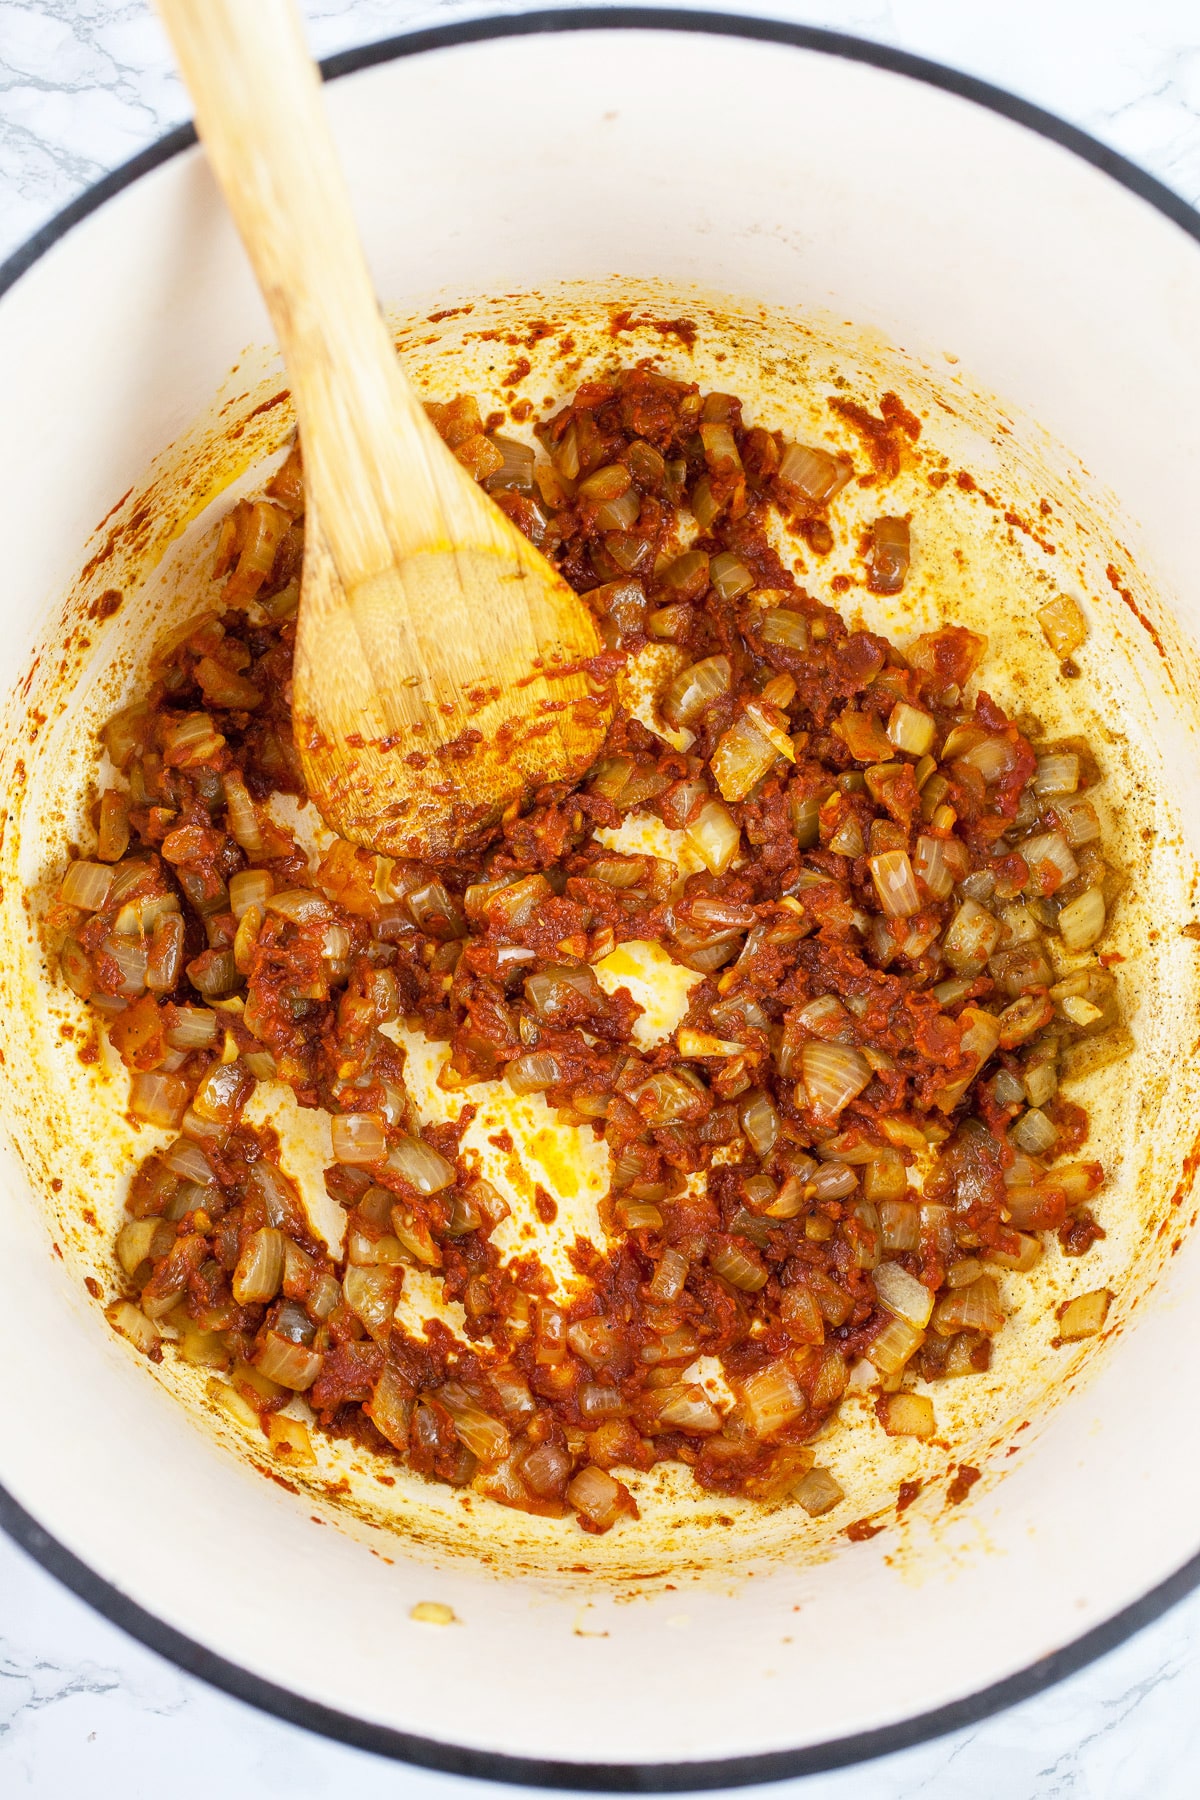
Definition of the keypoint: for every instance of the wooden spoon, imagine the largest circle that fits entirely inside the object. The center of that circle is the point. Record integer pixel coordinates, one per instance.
(438, 659)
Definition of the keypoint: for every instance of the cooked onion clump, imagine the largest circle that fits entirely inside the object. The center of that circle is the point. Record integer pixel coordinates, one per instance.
(892, 900)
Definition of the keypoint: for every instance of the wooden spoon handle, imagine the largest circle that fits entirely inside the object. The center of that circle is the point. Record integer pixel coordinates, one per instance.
(374, 465)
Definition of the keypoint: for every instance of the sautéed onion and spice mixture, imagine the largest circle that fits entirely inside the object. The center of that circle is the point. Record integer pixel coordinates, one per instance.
(891, 901)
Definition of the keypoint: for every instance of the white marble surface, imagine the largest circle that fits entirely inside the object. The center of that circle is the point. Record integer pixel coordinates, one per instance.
(84, 84)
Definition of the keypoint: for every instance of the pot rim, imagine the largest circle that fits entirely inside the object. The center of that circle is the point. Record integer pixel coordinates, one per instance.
(283, 1703)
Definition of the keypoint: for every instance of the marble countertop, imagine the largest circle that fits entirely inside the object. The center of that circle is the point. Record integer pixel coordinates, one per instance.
(84, 84)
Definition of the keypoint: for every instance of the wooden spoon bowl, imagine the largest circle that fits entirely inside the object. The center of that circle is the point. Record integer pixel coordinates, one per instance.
(441, 668)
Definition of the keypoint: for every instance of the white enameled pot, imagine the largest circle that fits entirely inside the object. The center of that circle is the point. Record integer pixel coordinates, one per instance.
(815, 209)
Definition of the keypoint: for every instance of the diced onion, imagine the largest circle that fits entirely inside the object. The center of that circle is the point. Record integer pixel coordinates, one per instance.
(485, 1437)
(832, 1181)
(669, 621)
(133, 1324)
(532, 1073)
(1064, 625)
(972, 936)
(900, 1225)
(421, 1165)
(825, 1016)
(301, 905)
(773, 1398)
(86, 885)
(195, 1027)
(741, 759)
(760, 1122)
(667, 1096)
(550, 988)
(223, 1093)
(847, 840)
(242, 815)
(252, 887)
(896, 1343)
(164, 960)
(975, 1307)
(597, 1400)
(991, 756)
(620, 514)
(608, 483)
(188, 1161)
(689, 1409)
(513, 905)
(279, 1198)
(157, 1099)
(1035, 1132)
(371, 1296)
(545, 1470)
(720, 447)
(132, 957)
(687, 576)
(1056, 774)
(1022, 1260)
(981, 1034)
(892, 874)
(1081, 1012)
(390, 1407)
(701, 1043)
(704, 503)
(1080, 822)
(1050, 862)
(516, 471)
(127, 876)
(357, 1138)
(818, 1493)
(126, 732)
(814, 475)
(669, 1279)
(903, 1294)
(738, 1268)
(908, 1415)
(767, 716)
(1018, 1022)
(291, 1365)
(597, 1496)
(135, 1242)
(213, 973)
(595, 1341)
(290, 1440)
(911, 730)
(890, 550)
(832, 1076)
(1081, 921)
(714, 836)
(1084, 1316)
(694, 688)
(259, 1271)
(729, 576)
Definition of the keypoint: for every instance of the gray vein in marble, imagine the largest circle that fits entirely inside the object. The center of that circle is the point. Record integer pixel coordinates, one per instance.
(28, 1684)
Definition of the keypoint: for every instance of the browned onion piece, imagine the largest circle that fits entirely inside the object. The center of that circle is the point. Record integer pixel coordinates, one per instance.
(259, 1271)
(531, 1073)
(832, 1075)
(357, 1137)
(291, 1365)
(421, 1165)
(693, 689)
(890, 550)
(813, 476)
